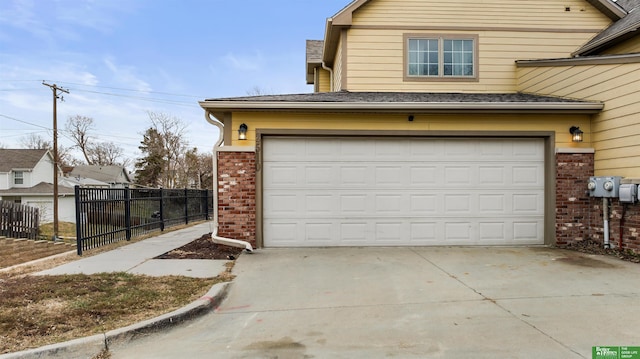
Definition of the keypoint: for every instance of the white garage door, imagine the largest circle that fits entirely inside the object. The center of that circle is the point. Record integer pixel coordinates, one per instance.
(402, 192)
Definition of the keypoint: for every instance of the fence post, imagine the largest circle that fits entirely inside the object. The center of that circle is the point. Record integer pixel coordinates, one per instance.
(161, 209)
(186, 206)
(206, 203)
(78, 220)
(127, 212)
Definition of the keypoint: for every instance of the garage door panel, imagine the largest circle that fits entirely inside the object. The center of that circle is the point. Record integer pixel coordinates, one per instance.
(527, 232)
(355, 191)
(312, 203)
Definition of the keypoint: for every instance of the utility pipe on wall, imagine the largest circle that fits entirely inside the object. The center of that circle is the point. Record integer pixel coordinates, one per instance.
(214, 233)
(605, 217)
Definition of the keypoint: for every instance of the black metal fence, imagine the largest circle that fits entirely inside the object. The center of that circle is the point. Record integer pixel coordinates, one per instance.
(18, 220)
(105, 216)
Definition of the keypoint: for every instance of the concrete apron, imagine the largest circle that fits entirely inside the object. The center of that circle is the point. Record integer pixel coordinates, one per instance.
(438, 302)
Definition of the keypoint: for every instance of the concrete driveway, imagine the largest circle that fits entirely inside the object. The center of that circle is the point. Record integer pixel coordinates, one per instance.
(412, 303)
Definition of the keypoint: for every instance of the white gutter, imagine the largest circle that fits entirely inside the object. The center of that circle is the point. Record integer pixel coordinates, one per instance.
(324, 66)
(214, 233)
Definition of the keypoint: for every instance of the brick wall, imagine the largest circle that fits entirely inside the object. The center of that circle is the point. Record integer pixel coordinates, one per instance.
(630, 224)
(237, 196)
(579, 216)
(572, 199)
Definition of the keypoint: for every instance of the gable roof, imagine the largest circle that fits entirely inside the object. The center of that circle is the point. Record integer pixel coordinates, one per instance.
(314, 57)
(417, 102)
(619, 31)
(108, 174)
(22, 159)
(616, 10)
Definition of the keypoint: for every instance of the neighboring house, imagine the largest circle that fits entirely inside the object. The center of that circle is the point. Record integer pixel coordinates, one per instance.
(441, 123)
(114, 176)
(26, 177)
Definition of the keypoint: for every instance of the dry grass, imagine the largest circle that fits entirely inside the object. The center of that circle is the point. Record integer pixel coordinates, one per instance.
(42, 310)
(66, 230)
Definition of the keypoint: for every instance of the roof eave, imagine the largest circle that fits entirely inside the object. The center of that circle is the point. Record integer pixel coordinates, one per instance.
(607, 42)
(218, 108)
(609, 8)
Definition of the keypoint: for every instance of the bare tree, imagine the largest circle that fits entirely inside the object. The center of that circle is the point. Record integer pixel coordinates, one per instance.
(259, 91)
(94, 153)
(78, 128)
(37, 142)
(107, 154)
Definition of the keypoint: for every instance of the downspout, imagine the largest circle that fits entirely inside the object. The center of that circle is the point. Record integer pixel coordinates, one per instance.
(324, 66)
(214, 233)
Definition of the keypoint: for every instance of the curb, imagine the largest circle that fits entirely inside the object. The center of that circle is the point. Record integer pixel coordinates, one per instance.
(91, 346)
(36, 261)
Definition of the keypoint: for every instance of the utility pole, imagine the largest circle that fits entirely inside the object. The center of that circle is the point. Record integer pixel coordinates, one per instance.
(55, 90)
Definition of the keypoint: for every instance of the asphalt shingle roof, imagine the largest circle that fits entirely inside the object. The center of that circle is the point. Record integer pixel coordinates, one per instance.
(41, 188)
(19, 158)
(108, 174)
(391, 97)
(619, 30)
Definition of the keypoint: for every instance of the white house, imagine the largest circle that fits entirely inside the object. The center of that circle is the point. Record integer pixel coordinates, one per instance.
(26, 177)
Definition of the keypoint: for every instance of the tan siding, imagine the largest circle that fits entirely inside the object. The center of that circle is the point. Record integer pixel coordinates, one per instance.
(616, 130)
(324, 78)
(376, 61)
(628, 47)
(398, 122)
(337, 68)
(532, 13)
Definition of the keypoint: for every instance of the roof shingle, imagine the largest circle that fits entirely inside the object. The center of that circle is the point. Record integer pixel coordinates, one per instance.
(19, 159)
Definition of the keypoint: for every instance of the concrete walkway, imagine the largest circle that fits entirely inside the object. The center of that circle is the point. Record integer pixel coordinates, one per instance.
(138, 257)
(412, 303)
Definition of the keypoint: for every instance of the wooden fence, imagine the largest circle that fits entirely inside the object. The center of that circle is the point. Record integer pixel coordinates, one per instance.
(18, 221)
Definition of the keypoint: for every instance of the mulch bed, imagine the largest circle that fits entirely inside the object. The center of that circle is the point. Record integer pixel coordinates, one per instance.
(590, 246)
(202, 248)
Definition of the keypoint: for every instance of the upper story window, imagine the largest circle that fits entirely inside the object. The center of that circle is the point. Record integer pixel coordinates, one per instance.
(18, 177)
(441, 58)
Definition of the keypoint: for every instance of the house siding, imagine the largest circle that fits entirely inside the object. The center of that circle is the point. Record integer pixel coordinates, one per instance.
(376, 58)
(495, 13)
(338, 68)
(628, 47)
(522, 30)
(614, 132)
(424, 122)
(42, 172)
(324, 80)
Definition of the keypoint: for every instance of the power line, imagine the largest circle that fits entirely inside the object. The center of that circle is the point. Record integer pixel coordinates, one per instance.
(25, 122)
(132, 90)
(148, 99)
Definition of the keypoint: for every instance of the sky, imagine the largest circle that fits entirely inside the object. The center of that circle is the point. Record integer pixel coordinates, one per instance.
(121, 59)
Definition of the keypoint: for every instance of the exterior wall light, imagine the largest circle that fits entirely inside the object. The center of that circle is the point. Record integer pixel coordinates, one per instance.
(576, 134)
(242, 132)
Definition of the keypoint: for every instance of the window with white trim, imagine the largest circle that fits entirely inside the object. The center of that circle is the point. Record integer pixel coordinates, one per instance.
(440, 57)
(18, 177)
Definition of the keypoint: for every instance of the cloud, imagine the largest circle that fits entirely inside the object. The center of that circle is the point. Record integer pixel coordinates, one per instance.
(100, 15)
(126, 76)
(244, 62)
